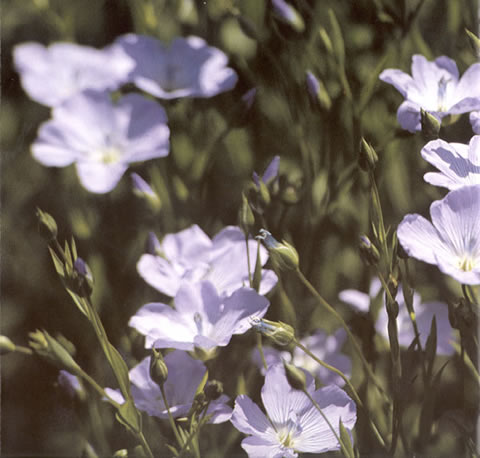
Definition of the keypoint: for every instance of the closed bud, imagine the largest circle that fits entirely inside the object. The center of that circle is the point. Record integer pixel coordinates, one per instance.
(158, 368)
(144, 191)
(47, 226)
(281, 333)
(392, 309)
(295, 376)
(392, 285)
(246, 219)
(288, 14)
(45, 346)
(368, 251)
(317, 92)
(284, 255)
(82, 278)
(430, 125)
(6, 345)
(213, 390)
(367, 157)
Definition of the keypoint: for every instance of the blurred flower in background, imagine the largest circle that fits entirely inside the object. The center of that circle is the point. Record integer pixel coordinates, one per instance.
(187, 67)
(102, 137)
(458, 164)
(292, 423)
(436, 87)
(50, 75)
(424, 313)
(184, 376)
(191, 255)
(323, 346)
(201, 317)
(452, 240)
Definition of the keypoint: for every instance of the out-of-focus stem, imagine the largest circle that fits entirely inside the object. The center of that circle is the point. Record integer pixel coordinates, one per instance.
(170, 417)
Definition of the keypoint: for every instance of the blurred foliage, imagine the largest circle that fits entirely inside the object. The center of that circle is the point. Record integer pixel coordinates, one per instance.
(346, 44)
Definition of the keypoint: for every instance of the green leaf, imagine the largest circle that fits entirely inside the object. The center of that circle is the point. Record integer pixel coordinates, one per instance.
(78, 302)
(119, 368)
(257, 274)
(128, 415)
(431, 347)
(57, 262)
(346, 442)
(202, 384)
(337, 41)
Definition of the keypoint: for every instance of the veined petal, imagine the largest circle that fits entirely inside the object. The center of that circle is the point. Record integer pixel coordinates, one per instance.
(249, 419)
(398, 79)
(419, 238)
(100, 178)
(260, 447)
(159, 274)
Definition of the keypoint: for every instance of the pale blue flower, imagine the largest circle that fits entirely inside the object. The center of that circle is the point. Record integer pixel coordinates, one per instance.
(50, 75)
(191, 255)
(200, 317)
(436, 87)
(184, 377)
(475, 121)
(187, 67)
(101, 137)
(458, 164)
(452, 240)
(292, 423)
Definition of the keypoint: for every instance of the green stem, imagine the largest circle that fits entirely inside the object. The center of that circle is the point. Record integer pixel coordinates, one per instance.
(25, 350)
(143, 442)
(352, 338)
(248, 262)
(260, 350)
(170, 417)
(353, 392)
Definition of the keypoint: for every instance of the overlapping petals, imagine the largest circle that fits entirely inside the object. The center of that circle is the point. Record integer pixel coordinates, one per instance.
(452, 240)
(188, 67)
(184, 377)
(101, 137)
(191, 255)
(50, 75)
(201, 318)
(292, 423)
(458, 164)
(435, 87)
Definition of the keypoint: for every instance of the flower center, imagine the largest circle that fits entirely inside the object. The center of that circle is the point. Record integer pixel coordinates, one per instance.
(442, 93)
(466, 263)
(106, 155)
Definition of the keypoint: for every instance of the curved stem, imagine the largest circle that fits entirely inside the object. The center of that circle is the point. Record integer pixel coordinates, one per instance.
(352, 338)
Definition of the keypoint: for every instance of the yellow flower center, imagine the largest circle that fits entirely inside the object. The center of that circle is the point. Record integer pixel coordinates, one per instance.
(466, 263)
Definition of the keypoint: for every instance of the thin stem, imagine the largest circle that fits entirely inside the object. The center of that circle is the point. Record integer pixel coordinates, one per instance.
(248, 262)
(353, 392)
(170, 417)
(260, 350)
(143, 442)
(352, 338)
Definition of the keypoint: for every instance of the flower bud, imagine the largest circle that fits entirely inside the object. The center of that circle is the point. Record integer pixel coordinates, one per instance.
(6, 345)
(317, 92)
(392, 309)
(295, 376)
(283, 255)
(392, 285)
(367, 157)
(82, 279)
(368, 251)
(153, 245)
(213, 390)
(430, 125)
(47, 226)
(288, 14)
(158, 368)
(144, 191)
(281, 333)
(45, 346)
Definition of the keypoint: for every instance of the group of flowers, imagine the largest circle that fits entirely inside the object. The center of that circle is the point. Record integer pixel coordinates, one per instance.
(452, 240)
(98, 126)
(102, 129)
